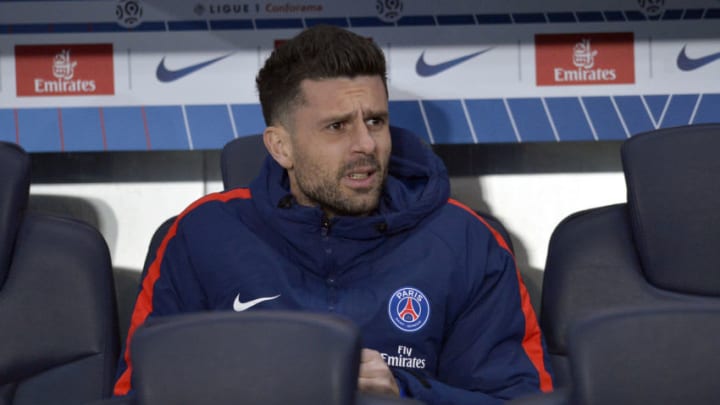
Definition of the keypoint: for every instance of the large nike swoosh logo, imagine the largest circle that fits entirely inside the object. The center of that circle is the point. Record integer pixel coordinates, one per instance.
(166, 75)
(426, 70)
(687, 64)
(239, 306)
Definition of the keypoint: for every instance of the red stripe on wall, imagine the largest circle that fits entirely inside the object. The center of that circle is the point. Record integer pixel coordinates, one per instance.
(532, 341)
(144, 303)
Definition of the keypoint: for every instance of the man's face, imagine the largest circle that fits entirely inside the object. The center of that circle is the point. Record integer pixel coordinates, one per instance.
(339, 144)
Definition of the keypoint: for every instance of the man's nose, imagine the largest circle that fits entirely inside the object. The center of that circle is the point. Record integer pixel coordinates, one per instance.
(363, 140)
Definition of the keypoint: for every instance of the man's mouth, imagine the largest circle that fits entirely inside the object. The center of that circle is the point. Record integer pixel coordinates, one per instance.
(359, 176)
(362, 169)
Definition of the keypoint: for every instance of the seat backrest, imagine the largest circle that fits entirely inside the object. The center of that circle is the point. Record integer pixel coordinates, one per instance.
(673, 184)
(59, 335)
(256, 357)
(14, 194)
(659, 248)
(241, 160)
(664, 355)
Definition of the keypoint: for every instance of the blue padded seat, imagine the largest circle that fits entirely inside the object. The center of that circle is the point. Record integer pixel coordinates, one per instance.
(662, 355)
(58, 320)
(661, 247)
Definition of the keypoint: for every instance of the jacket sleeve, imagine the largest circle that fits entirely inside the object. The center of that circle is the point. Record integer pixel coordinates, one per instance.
(493, 349)
(166, 275)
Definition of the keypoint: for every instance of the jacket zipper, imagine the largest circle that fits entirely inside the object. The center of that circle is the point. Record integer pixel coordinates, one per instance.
(330, 278)
(325, 226)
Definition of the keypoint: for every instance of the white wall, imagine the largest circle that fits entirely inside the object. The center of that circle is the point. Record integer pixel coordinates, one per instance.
(129, 213)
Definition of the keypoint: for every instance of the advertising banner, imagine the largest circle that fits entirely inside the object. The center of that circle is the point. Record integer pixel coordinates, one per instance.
(180, 74)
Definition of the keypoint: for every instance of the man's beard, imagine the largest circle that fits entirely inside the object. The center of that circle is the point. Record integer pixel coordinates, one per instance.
(327, 192)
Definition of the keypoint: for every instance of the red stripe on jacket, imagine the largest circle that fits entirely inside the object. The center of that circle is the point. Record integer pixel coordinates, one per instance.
(144, 303)
(532, 341)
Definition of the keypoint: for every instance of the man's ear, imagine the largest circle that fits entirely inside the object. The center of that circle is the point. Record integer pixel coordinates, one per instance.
(277, 142)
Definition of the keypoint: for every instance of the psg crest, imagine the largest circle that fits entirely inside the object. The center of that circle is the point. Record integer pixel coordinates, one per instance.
(409, 309)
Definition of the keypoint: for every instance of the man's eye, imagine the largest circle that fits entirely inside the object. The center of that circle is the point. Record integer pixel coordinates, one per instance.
(336, 126)
(375, 122)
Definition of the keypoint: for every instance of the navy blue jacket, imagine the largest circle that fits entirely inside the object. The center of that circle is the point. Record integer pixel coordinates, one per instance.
(433, 288)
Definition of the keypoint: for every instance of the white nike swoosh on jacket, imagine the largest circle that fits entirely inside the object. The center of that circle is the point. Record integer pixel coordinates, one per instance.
(239, 306)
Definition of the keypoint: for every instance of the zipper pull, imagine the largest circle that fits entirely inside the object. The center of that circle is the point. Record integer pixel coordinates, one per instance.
(325, 226)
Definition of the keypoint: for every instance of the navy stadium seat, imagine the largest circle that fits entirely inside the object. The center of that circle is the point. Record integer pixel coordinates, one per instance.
(662, 355)
(241, 160)
(255, 357)
(660, 247)
(58, 320)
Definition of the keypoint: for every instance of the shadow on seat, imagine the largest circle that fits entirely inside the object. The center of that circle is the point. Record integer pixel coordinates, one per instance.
(58, 318)
(660, 248)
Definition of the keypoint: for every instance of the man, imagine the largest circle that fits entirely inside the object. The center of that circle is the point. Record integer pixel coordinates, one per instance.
(347, 218)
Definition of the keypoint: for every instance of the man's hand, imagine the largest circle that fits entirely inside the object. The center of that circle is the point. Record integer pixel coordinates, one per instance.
(375, 375)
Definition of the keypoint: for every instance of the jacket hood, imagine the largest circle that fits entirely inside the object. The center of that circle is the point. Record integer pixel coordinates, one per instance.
(416, 186)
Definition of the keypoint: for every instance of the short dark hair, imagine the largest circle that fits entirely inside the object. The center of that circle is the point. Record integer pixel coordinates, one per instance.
(320, 52)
